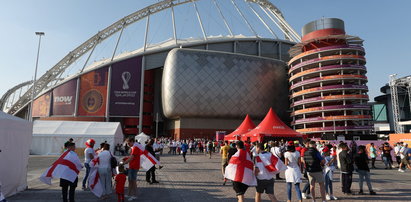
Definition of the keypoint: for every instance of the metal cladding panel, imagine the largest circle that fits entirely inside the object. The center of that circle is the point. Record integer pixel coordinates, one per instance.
(209, 84)
(323, 23)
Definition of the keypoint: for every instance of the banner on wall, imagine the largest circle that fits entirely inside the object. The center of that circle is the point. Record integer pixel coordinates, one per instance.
(125, 88)
(64, 98)
(93, 93)
(41, 106)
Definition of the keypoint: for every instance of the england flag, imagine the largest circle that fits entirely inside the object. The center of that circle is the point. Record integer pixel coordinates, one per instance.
(66, 167)
(147, 160)
(270, 162)
(240, 169)
(94, 181)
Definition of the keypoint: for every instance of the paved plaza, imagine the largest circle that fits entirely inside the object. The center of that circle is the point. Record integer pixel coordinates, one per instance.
(200, 180)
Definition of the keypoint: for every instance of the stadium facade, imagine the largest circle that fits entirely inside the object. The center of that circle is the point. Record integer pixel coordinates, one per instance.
(193, 86)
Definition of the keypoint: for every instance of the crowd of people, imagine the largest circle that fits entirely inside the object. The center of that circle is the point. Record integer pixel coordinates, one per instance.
(314, 161)
(261, 163)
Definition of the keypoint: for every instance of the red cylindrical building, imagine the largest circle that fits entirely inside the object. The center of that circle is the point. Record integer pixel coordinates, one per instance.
(328, 89)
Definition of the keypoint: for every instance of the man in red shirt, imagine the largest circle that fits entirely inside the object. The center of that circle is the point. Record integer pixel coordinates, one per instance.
(134, 166)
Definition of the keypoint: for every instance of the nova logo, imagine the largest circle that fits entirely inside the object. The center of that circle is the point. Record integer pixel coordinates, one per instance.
(64, 99)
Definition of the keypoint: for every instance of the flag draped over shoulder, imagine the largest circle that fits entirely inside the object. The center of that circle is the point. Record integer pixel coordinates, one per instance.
(147, 160)
(270, 162)
(94, 181)
(240, 169)
(66, 167)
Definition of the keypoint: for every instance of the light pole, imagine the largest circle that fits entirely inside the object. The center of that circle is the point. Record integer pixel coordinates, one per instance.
(35, 76)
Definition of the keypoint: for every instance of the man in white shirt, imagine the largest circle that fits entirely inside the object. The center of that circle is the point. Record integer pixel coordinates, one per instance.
(265, 179)
(397, 149)
(404, 158)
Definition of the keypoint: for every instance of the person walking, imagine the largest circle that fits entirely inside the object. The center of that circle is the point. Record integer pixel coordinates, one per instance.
(306, 190)
(184, 149)
(397, 154)
(240, 171)
(210, 148)
(329, 168)
(151, 174)
(404, 158)
(134, 165)
(276, 151)
(361, 161)
(224, 159)
(104, 170)
(313, 162)
(373, 155)
(88, 156)
(265, 176)
(293, 172)
(346, 169)
(386, 155)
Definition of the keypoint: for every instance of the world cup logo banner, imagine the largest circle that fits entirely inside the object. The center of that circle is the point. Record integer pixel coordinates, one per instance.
(93, 93)
(125, 88)
(126, 76)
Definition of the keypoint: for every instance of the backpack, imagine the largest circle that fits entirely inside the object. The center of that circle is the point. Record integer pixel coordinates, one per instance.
(113, 161)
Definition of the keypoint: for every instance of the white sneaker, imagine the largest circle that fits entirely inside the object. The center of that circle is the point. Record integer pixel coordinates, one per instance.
(327, 197)
(401, 170)
(303, 195)
(333, 197)
(132, 198)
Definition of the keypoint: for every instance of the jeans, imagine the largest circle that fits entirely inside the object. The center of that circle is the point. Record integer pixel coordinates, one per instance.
(87, 173)
(346, 181)
(328, 183)
(364, 174)
(297, 189)
(105, 177)
(387, 161)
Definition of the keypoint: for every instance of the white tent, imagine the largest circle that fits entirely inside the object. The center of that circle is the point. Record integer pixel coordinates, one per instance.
(142, 138)
(15, 140)
(49, 136)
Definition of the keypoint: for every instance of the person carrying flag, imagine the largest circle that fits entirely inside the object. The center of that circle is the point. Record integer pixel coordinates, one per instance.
(266, 166)
(240, 171)
(67, 168)
(134, 165)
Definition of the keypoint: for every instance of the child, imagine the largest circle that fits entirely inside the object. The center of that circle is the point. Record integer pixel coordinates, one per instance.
(329, 168)
(120, 180)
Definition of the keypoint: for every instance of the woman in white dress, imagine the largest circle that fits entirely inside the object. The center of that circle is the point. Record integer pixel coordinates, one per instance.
(104, 170)
(293, 172)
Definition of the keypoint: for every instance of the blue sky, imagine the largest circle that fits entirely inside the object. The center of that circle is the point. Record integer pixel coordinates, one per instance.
(384, 25)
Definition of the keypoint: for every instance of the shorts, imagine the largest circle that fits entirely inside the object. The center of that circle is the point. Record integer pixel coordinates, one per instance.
(239, 188)
(314, 177)
(265, 185)
(224, 162)
(405, 161)
(132, 174)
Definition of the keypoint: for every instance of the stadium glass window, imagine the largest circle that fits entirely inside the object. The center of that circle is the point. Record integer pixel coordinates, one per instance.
(379, 112)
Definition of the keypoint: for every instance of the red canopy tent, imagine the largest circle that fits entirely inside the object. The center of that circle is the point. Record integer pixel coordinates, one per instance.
(246, 126)
(271, 126)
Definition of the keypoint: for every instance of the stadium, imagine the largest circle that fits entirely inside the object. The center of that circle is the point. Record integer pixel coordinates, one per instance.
(184, 68)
